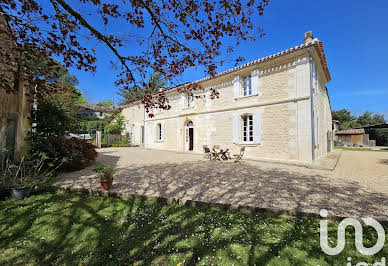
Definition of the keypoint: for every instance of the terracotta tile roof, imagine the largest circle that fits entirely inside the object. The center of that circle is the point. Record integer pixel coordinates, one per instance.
(318, 45)
(354, 131)
(315, 43)
(97, 108)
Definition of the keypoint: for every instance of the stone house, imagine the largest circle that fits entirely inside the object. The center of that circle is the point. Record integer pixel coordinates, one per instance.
(14, 107)
(277, 107)
(94, 112)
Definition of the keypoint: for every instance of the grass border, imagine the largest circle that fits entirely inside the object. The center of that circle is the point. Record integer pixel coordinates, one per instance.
(246, 209)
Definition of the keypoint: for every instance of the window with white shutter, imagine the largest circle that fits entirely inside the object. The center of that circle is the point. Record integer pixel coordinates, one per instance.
(162, 132)
(159, 132)
(183, 100)
(257, 128)
(236, 128)
(190, 100)
(255, 82)
(236, 87)
(247, 128)
(247, 86)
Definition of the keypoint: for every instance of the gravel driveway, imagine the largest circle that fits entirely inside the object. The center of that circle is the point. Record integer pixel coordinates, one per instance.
(358, 187)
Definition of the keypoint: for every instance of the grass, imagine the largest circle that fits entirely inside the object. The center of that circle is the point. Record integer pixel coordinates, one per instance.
(69, 229)
(359, 149)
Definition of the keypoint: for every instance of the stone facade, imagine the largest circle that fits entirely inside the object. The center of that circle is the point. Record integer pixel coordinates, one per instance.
(284, 87)
(14, 108)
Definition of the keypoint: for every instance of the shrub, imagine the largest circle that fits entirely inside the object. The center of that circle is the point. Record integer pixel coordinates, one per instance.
(76, 153)
(114, 129)
(79, 152)
(338, 143)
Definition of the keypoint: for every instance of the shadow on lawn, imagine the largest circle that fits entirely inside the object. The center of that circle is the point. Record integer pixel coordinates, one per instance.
(71, 229)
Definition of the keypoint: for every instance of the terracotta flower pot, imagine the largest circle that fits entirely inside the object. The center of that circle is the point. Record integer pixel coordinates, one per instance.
(106, 184)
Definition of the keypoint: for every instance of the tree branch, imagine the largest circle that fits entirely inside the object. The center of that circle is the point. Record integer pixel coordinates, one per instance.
(95, 32)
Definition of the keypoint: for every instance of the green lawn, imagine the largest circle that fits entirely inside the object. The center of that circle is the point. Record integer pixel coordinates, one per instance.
(359, 149)
(72, 230)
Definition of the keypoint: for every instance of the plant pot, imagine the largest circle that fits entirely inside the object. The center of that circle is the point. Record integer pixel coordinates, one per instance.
(106, 184)
(20, 192)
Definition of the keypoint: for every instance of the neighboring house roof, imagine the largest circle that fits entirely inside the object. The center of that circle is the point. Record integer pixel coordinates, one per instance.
(354, 131)
(97, 108)
(382, 125)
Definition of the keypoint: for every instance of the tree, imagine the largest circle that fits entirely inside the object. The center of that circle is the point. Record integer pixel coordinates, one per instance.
(171, 35)
(56, 115)
(342, 115)
(156, 82)
(347, 120)
(105, 103)
(115, 128)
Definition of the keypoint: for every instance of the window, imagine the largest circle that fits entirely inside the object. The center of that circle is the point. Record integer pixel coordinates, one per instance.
(190, 100)
(100, 113)
(133, 113)
(247, 86)
(159, 131)
(247, 128)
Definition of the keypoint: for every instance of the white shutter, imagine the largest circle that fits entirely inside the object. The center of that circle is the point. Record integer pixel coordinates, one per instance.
(193, 98)
(183, 100)
(236, 87)
(155, 132)
(236, 128)
(162, 128)
(257, 128)
(255, 81)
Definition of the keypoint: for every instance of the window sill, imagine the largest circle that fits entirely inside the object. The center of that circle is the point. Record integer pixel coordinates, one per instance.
(187, 108)
(159, 141)
(248, 144)
(247, 96)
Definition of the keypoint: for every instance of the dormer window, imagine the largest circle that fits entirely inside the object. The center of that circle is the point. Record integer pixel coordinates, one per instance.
(247, 86)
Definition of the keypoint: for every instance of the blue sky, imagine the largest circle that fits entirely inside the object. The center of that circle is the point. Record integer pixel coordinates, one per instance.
(355, 38)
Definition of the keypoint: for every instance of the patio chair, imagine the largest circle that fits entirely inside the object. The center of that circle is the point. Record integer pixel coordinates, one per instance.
(207, 152)
(225, 155)
(215, 154)
(238, 157)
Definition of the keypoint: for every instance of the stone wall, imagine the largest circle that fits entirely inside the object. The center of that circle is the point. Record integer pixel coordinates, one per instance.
(13, 104)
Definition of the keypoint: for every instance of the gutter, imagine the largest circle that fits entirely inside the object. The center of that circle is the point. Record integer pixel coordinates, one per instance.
(312, 107)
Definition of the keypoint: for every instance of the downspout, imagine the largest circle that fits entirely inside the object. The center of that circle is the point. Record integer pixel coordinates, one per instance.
(312, 107)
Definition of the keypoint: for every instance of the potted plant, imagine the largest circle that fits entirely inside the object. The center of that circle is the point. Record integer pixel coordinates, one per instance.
(19, 178)
(106, 174)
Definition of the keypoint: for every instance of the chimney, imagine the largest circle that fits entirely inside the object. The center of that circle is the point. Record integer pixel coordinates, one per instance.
(308, 37)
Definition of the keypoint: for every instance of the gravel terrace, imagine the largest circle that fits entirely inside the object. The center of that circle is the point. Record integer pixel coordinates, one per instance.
(358, 187)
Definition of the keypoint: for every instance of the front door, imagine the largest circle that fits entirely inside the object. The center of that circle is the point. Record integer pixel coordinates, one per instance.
(189, 136)
(191, 139)
(142, 134)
